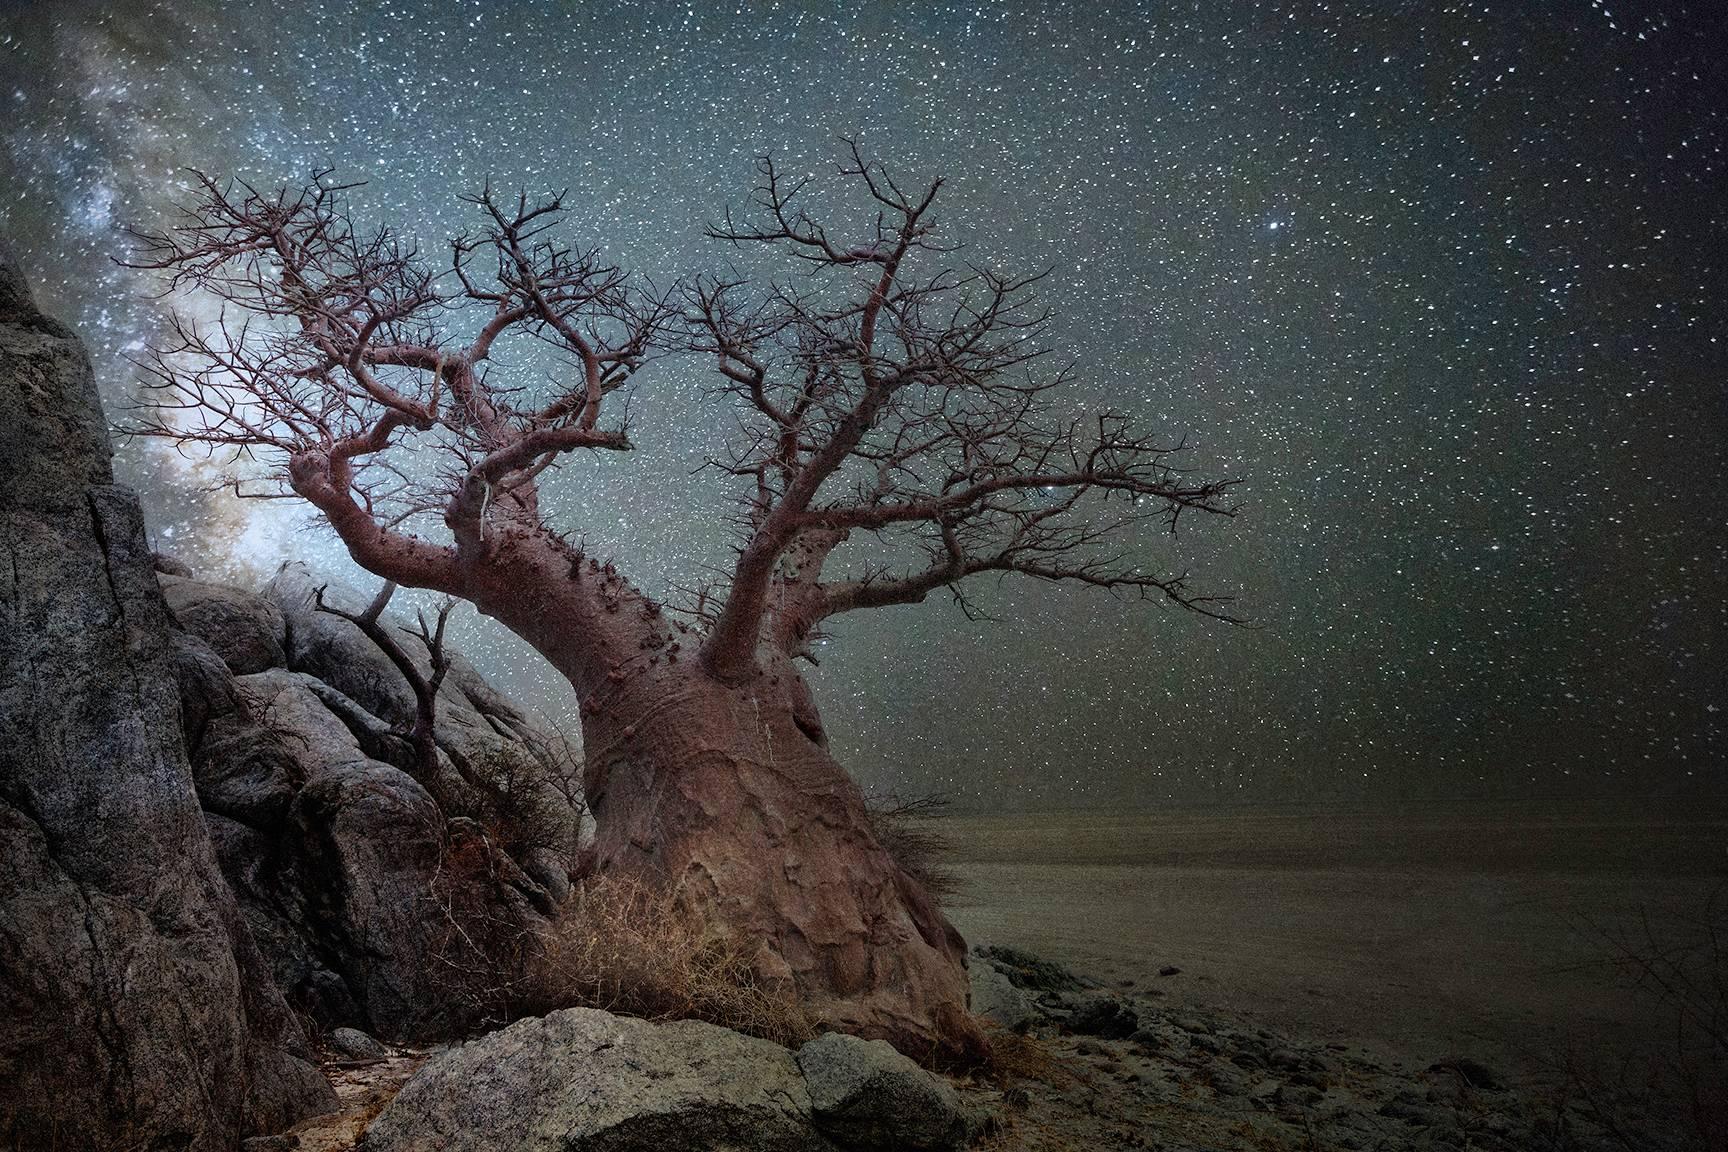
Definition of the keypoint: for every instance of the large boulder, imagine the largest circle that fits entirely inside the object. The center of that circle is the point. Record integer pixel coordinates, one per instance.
(581, 1079)
(243, 628)
(865, 1095)
(422, 918)
(138, 1012)
(387, 895)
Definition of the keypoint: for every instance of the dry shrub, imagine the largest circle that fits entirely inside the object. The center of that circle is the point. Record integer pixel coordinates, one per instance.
(482, 962)
(1015, 1056)
(907, 830)
(622, 947)
(522, 802)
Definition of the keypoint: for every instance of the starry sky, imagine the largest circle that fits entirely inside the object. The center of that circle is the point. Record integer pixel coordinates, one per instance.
(1441, 284)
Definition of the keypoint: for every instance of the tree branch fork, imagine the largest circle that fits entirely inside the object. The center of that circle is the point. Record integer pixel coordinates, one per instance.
(890, 396)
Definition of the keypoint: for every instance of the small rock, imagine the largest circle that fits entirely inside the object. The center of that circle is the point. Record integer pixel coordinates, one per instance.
(1203, 1042)
(1413, 1114)
(1169, 970)
(1227, 1081)
(1104, 1016)
(865, 1095)
(353, 1044)
(1192, 1024)
(1291, 1095)
(285, 1142)
(1473, 1073)
(996, 999)
(1498, 1123)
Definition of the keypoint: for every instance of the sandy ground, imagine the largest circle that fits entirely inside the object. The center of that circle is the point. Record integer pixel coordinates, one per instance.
(1443, 929)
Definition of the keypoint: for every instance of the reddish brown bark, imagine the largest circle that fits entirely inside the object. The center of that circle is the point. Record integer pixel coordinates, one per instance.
(726, 796)
(720, 792)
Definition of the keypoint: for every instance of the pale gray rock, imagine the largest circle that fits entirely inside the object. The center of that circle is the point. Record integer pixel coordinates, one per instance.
(994, 998)
(581, 1079)
(287, 704)
(138, 1012)
(480, 734)
(334, 650)
(353, 1044)
(865, 1095)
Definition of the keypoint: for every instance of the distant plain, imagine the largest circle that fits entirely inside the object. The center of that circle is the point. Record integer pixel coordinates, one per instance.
(1421, 930)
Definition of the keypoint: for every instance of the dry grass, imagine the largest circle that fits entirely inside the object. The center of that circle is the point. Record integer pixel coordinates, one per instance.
(619, 946)
(1015, 1057)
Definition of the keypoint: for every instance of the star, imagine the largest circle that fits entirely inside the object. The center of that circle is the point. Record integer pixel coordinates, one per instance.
(1400, 392)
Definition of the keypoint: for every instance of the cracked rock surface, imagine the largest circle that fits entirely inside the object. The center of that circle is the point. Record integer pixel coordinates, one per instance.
(139, 1012)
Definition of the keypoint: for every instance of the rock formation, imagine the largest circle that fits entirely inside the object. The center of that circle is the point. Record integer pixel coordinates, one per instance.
(386, 895)
(583, 1079)
(138, 1011)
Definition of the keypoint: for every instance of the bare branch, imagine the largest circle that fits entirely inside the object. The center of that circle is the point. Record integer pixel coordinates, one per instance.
(337, 355)
(884, 398)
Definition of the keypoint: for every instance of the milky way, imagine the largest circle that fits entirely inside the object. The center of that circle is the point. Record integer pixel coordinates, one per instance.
(1442, 285)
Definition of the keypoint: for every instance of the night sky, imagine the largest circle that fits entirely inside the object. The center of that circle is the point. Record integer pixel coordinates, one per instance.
(1442, 285)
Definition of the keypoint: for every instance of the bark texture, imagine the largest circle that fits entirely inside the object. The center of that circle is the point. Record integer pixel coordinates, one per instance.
(726, 795)
(138, 1011)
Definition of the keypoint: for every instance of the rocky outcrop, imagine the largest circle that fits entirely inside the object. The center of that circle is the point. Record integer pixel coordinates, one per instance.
(390, 895)
(581, 1079)
(138, 1012)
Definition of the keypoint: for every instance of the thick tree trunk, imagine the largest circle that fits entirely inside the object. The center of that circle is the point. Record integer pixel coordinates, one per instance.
(727, 798)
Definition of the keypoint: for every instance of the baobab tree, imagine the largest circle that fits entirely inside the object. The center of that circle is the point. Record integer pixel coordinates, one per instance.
(899, 435)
